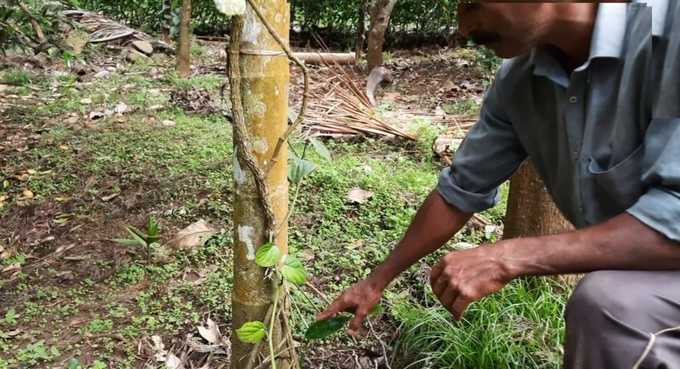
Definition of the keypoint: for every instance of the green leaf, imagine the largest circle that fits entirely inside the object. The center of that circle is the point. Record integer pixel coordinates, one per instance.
(137, 235)
(251, 332)
(324, 328)
(299, 168)
(293, 271)
(321, 149)
(152, 230)
(73, 364)
(267, 255)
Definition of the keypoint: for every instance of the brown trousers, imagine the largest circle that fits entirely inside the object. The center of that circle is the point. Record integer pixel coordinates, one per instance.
(624, 320)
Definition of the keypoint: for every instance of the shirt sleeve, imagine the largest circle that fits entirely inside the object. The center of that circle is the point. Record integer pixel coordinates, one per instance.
(659, 207)
(488, 156)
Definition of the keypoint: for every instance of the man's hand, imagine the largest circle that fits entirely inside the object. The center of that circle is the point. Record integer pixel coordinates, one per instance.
(359, 299)
(463, 277)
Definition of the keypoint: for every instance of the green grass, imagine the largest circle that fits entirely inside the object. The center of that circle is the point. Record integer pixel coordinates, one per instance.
(15, 77)
(520, 327)
(183, 173)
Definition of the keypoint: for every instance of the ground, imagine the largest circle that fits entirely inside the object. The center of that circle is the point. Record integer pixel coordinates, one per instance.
(86, 152)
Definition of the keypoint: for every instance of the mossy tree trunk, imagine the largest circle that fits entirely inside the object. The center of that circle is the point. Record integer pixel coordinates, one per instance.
(264, 76)
(184, 41)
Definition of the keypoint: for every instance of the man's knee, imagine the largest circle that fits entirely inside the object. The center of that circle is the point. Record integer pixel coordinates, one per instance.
(600, 295)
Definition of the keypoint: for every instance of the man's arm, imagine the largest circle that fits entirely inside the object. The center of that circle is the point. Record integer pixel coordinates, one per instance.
(622, 243)
(435, 223)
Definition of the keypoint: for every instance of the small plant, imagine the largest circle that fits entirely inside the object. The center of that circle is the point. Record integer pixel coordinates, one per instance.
(15, 77)
(147, 240)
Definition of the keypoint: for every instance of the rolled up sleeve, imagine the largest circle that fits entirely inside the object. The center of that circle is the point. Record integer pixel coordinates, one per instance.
(659, 206)
(488, 156)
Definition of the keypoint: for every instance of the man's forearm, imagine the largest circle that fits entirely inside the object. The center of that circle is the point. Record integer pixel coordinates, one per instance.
(622, 243)
(434, 224)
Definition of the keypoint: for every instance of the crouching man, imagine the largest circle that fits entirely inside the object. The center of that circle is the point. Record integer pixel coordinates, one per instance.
(591, 94)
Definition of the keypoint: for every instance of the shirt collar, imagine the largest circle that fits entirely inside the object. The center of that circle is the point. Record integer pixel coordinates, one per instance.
(609, 34)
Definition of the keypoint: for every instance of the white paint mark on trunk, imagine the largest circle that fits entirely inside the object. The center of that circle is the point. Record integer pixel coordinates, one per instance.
(260, 146)
(239, 175)
(252, 27)
(245, 235)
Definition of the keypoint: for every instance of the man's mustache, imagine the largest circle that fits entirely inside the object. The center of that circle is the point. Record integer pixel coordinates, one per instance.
(484, 38)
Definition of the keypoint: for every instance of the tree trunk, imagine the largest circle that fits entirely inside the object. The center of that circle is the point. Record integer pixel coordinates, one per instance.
(380, 20)
(361, 29)
(184, 42)
(166, 22)
(264, 81)
(531, 211)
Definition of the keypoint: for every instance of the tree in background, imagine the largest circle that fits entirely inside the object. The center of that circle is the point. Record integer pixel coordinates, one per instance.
(184, 41)
(531, 211)
(166, 24)
(381, 12)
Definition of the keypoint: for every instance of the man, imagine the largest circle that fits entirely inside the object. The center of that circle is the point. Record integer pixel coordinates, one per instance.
(592, 96)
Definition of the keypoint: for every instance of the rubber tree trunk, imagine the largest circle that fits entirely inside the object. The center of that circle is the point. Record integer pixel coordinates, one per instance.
(380, 20)
(166, 22)
(532, 212)
(184, 42)
(264, 84)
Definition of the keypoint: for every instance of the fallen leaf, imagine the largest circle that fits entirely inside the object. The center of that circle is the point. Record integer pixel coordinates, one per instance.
(27, 194)
(86, 101)
(94, 115)
(173, 362)
(12, 268)
(358, 195)
(193, 236)
(168, 123)
(109, 197)
(159, 351)
(210, 332)
(120, 108)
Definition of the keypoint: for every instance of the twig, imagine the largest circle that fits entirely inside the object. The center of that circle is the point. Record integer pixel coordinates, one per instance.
(305, 95)
(382, 344)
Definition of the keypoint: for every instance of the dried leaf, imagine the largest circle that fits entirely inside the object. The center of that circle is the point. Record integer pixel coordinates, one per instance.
(358, 195)
(193, 236)
(210, 332)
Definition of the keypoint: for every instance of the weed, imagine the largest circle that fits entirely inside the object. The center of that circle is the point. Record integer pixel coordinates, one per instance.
(16, 77)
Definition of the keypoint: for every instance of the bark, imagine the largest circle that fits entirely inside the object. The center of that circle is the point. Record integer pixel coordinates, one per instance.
(264, 85)
(166, 12)
(380, 20)
(184, 42)
(361, 29)
(532, 212)
(327, 58)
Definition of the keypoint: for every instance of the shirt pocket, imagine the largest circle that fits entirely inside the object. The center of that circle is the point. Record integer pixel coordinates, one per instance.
(617, 188)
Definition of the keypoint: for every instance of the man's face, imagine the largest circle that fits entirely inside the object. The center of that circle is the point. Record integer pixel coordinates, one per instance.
(509, 29)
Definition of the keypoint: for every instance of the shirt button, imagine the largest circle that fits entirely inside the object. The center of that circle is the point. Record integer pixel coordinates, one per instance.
(573, 99)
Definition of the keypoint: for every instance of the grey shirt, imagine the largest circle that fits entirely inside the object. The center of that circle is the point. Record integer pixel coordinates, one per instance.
(605, 138)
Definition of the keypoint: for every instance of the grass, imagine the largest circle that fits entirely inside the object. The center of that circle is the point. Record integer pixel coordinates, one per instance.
(182, 173)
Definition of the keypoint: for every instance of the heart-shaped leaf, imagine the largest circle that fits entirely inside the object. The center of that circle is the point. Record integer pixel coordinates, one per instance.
(293, 271)
(299, 168)
(320, 149)
(251, 332)
(267, 255)
(324, 328)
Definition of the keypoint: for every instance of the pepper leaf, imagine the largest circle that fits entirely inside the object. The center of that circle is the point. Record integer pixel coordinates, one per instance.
(267, 255)
(324, 328)
(251, 332)
(293, 271)
(320, 149)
